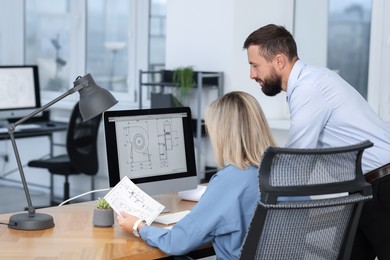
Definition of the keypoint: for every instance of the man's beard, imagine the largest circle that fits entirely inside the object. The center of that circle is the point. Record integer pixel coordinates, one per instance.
(273, 85)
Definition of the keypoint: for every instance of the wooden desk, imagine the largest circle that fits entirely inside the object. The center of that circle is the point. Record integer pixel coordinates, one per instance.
(75, 237)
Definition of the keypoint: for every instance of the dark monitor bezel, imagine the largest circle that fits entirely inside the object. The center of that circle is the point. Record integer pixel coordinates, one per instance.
(16, 112)
(111, 144)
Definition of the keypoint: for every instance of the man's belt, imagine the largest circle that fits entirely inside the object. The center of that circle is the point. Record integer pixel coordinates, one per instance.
(378, 173)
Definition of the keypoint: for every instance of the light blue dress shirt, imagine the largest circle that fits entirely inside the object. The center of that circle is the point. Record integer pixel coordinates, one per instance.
(222, 216)
(325, 111)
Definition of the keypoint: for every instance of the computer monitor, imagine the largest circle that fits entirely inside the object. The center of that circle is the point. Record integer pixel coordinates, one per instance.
(153, 147)
(19, 91)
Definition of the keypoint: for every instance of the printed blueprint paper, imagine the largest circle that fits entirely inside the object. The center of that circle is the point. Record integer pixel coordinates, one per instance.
(127, 197)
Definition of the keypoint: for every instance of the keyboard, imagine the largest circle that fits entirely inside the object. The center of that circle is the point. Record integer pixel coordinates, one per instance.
(27, 126)
(171, 218)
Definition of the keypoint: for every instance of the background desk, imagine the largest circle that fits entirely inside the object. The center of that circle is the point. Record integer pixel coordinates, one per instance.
(46, 128)
(75, 237)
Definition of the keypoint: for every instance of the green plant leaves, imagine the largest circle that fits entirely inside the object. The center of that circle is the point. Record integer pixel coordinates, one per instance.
(102, 203)
(183, 78)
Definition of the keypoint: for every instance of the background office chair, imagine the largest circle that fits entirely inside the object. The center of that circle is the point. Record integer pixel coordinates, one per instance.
(81, 157)
(309, 228)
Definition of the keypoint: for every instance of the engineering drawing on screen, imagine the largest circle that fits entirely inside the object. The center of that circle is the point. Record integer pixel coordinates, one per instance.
(138, 144)
(151, 146)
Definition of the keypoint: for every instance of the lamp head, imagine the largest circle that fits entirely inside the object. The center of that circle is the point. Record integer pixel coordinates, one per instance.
(94, 100)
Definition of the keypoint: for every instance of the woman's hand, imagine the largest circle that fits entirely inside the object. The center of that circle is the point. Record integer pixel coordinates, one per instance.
(126, 222)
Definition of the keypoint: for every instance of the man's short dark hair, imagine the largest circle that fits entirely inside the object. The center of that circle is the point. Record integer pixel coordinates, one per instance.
(272, 40)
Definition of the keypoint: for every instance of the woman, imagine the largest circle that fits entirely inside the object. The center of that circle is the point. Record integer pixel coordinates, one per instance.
(239, 135)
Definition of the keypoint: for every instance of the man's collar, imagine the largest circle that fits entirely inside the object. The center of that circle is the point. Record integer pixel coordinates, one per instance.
(294, 75)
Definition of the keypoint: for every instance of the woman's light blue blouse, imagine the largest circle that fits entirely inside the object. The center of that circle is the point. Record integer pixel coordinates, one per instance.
(222, 216)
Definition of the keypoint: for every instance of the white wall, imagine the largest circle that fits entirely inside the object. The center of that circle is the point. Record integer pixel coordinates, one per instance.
(209, 35)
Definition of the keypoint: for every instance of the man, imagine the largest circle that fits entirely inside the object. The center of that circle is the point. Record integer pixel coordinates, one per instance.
(325, 111)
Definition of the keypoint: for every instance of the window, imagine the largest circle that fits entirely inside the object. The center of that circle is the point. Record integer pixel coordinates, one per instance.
(47, 42)
(108, 42)
(112, 40)
(157, 34)
(349, 24)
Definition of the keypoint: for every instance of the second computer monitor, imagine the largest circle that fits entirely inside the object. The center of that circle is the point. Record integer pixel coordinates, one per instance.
(153, 147)
(19, 91)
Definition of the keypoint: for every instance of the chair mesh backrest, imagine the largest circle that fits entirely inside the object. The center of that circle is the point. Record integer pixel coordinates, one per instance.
(312, 169)
(81, 142)
(308, 227)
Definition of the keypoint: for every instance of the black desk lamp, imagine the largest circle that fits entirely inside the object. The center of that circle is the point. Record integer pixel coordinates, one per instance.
(94, 100)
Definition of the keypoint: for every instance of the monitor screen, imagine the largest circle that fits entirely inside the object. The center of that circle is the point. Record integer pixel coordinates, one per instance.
(153, 147)
(19, 91)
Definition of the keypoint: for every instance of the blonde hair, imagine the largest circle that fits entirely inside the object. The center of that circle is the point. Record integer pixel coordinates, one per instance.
(238, 130)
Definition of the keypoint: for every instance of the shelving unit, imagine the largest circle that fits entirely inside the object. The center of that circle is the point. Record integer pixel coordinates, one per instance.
(159, 81)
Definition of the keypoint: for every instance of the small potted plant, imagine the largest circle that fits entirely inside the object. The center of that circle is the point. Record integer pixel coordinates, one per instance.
(103, 215)
(183, 77)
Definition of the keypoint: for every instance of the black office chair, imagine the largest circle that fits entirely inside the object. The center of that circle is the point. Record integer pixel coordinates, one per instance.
(81, 157)
(313, 227)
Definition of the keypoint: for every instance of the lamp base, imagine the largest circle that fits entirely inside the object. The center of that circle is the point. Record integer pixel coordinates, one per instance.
(23, 221)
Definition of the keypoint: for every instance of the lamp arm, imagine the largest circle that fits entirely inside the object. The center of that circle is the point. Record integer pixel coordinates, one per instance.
(11, 132)
(31, 209)
(43, 108)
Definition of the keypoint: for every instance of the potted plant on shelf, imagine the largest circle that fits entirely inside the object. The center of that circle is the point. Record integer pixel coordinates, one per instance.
(183, 77)
(103, 215)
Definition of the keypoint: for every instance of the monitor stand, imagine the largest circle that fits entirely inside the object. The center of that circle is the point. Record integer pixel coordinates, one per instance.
(167, 201)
